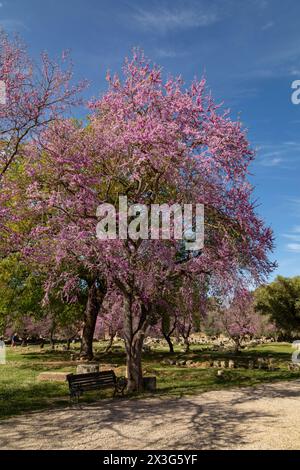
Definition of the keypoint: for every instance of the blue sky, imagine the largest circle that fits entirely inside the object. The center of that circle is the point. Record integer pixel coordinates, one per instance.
(249, 51)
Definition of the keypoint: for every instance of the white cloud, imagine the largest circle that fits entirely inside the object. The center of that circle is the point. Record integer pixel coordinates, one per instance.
(294, 237)
(268, 25)
(293, 247)
(271, 162)
(283, 153)
(166, 19)
(295, 72)
(12, 25)
(163, 53)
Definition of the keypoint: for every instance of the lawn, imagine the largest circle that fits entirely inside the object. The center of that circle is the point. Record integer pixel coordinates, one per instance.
(21, 391)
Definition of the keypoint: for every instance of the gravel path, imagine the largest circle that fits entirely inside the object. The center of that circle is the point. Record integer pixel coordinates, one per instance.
(266, 417)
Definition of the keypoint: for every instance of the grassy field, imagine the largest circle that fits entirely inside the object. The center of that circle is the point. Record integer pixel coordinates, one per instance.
(21, 391)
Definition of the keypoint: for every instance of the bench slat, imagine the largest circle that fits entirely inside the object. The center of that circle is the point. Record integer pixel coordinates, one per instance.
(89, 379)
(95, 379)
(91, 375)
(78, 385)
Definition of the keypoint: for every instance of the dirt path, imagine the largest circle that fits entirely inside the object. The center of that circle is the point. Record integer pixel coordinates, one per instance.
(266, 417)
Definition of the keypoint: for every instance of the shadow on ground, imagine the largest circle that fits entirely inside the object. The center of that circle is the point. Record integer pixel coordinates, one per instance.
(213, 420)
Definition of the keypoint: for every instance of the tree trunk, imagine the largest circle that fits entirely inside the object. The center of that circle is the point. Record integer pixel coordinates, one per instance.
(134, 364)
(133, 345)
(170, 344)
(237, 346)
(111, 340)
(186, 335)
(52, 340)
(96, 295)
(186, 345)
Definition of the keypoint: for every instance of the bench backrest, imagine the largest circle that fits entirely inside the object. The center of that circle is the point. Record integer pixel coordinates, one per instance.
(104, 378)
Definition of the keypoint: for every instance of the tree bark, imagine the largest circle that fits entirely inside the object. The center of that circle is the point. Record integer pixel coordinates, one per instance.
(237, 346)
(170, 344)
(134, 364)
(52, 340)
(186, 345)
(133, 344)
(96, 295)
(186, 336)
(111, 340)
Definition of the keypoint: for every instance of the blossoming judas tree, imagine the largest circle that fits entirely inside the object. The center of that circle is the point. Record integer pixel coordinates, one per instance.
(33, 97)
(180, 309)
(154, 142)
(190, 309)
(166, 321)
(110, 321)
(240, 319)
(175, 144)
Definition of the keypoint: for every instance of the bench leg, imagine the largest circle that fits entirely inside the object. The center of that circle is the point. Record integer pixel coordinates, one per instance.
(119, 390)
(74, 398)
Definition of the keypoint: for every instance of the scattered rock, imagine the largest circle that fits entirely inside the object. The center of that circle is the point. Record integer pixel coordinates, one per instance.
(271, 364)
(182, 362)
(294, 366)
(223, 364)
(87, 368)
(262, 363)
(189, 363)
(165, 362)
(231, 364)
(204, 365)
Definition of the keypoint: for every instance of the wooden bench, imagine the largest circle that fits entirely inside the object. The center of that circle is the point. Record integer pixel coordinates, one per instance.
(79, 383)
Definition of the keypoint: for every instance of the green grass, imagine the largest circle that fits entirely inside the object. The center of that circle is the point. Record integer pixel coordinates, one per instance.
(21, 391)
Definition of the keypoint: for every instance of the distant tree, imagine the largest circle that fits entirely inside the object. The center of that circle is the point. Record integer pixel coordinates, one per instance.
(21, 292)
(164, 319)
(240, 319)
(189, 312)
(168, 328)
(280, 300)
(22, 308)
(109, 321)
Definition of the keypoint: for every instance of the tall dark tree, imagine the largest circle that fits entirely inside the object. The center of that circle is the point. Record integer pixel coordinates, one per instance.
(281, 301)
